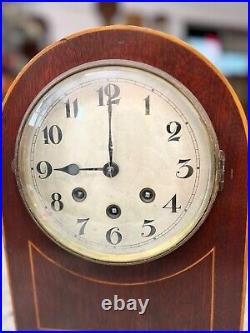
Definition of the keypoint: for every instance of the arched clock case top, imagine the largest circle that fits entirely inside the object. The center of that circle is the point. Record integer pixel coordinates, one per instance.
(223, 232)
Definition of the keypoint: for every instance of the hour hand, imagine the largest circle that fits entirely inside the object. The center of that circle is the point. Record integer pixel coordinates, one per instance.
(74, 169)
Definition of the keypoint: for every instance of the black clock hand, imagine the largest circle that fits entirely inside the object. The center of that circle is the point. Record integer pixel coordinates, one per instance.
(110, 145)
(110, 142)
(74, 169)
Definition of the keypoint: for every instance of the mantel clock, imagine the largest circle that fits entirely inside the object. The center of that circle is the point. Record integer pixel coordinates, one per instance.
(125, 175)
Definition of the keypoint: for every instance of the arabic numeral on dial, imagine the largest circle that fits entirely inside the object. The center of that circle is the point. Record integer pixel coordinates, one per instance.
(189, 169)
(112, 91)
(172, 204)
(173, 128)
(56, 203)
(151, 230)
(147, 105)
(52, 135)
(82, 228)
(71, 110)
(100, 94)
(44, 169)
(114, 236)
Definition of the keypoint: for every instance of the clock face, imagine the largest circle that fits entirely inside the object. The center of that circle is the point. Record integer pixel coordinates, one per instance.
(117, 162)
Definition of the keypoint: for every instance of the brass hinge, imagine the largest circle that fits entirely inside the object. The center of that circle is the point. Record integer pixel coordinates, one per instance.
(221, 169)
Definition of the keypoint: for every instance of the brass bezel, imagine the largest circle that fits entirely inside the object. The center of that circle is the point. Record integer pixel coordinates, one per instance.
(118, 259)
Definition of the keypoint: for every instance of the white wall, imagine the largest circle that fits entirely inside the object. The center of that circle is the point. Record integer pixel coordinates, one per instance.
(69, 17)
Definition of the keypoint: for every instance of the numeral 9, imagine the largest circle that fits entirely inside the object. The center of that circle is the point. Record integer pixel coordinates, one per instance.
(44, 168)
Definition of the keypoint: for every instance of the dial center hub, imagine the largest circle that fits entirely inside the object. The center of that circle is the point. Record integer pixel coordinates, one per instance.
(110, 170)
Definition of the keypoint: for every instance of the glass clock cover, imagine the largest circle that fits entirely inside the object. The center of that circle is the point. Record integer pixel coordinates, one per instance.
(117, 162)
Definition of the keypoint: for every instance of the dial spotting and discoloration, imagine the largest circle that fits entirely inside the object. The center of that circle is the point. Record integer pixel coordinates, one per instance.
(117, 131)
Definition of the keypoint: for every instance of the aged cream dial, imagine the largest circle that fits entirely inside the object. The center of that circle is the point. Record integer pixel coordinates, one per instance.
(117, 162)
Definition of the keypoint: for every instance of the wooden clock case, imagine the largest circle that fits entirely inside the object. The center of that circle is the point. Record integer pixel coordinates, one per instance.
(201, 285)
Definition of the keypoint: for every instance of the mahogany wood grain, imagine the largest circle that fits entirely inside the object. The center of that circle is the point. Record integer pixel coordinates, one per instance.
(199, 286)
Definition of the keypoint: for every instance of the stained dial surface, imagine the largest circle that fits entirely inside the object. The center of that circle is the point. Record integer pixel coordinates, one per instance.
(116, 163)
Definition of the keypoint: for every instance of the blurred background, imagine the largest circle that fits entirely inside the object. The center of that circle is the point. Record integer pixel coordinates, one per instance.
(219, 30)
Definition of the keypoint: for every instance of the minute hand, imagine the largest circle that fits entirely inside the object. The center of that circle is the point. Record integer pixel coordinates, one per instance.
(110, 142)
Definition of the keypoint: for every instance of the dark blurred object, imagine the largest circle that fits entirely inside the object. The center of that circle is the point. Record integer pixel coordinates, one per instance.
(107, 10)
(134, 19)
(35, 41)
(226, 48)
(160, 22)
(24, 35)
